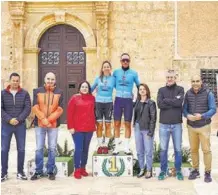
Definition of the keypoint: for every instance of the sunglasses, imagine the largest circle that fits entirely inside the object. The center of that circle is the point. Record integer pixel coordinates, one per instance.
(195, 81)
(169, 77)
(125, 60)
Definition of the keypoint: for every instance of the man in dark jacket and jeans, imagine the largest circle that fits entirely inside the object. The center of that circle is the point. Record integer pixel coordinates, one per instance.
(199, 107)
(15, 108)
(169, 100)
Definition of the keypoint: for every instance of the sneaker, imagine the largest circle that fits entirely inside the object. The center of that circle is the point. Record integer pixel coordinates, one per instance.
(148, 174)
(36, 176)
(179, 175)
(115, 152)
(162, 175)
(105, 150)
(77, 173)
(141, 173)
(100, 150)
(21, 176)
(84, 172)
(194, 174)
(207, 177)
(127, 152)
(4, 177)
(51, 176)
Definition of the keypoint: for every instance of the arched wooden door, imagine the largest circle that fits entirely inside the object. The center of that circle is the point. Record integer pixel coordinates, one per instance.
(62, 53)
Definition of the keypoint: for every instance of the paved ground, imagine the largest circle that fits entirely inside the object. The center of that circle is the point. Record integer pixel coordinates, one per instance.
(106, 186)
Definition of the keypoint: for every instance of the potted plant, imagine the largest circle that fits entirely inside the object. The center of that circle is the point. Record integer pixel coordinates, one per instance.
(186, 165)
(63, 165)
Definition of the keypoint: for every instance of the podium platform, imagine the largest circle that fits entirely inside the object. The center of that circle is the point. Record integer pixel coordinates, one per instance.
(109, 165)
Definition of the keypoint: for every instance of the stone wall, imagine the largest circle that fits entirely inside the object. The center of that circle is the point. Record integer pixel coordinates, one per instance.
(155, 34)
(7, 51)
(146, 31)
(197, 29)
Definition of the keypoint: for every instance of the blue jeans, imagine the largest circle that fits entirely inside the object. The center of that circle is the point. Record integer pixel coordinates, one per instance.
(82, 141)
(20, 135)
(144, 147)
(40, 143)
(176, 131)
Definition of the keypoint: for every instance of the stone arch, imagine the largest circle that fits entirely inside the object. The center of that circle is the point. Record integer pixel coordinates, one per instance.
(35, 32)
(31, 50)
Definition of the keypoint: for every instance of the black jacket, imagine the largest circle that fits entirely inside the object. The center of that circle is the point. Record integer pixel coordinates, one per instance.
(148, 116)
(169, 101)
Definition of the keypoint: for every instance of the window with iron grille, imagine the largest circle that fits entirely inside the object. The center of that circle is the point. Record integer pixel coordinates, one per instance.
(210, 80)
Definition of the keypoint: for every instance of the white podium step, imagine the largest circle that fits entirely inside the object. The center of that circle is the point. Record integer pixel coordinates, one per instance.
(109, 165)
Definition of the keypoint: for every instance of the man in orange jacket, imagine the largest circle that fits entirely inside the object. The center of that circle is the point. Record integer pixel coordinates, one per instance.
(48, 107)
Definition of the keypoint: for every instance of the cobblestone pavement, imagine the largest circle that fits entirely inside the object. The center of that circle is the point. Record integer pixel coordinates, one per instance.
(103, 185)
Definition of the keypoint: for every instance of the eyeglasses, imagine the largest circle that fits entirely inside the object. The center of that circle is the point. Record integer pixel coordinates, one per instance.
(195, 81)
(125, 60)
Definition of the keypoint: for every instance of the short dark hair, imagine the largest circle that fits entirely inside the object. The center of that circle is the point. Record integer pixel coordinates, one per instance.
(124, 54)
(14, 74)
(89, 86)
(147, 90)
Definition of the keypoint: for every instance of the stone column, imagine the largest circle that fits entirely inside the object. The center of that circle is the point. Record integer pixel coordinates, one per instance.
(102, 31)
(17, 12)
(30, 68)
(91, 63)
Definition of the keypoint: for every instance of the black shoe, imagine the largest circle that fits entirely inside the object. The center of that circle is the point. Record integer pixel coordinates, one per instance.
(207, 177)
(51, 176)
(4, 177)
(36, 176)
(194, 174)
(21, 176)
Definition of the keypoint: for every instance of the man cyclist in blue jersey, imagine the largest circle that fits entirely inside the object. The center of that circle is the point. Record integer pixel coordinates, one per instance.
(124, 81)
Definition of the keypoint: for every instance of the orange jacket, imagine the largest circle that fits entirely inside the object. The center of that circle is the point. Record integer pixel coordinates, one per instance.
(47, 104)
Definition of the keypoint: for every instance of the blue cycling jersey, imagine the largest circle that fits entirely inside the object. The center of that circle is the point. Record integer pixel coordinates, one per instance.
(124, 82)
(104, 88)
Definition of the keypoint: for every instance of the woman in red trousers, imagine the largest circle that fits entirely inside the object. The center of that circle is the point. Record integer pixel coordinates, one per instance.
(81, 124)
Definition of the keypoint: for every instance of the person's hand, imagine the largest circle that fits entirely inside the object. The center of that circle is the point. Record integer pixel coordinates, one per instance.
(16, 122)
(45, 122)
(150, 133)
(72, 131)
(198, 116)
(191, 117)
(49, 125)
(13, 121)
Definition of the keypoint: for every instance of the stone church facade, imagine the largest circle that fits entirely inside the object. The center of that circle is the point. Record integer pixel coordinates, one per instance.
(72, 39)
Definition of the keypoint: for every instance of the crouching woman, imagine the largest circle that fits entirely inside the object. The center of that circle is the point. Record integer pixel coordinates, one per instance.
(81, 124)
(145, 114)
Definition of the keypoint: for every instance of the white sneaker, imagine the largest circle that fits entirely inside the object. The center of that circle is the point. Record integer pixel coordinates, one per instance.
(126, 146)
(116, 149)
(127, 151)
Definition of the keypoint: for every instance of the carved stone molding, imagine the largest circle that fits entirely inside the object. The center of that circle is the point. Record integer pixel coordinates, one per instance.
(90, 49)
(17, 12)
(32, 50)
(37, 29)
(60, 16)
(102, 10)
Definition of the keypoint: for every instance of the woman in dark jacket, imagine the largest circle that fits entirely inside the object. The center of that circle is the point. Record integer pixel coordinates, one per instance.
(145, 113)
(81, 124)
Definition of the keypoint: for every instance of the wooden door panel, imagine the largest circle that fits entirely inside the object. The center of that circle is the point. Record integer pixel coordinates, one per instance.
(62, 53)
